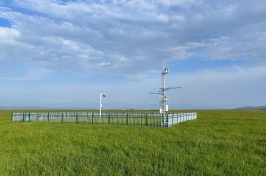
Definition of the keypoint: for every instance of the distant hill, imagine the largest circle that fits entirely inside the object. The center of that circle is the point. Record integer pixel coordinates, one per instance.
(22, 108)
(42, 108)
(253, 107)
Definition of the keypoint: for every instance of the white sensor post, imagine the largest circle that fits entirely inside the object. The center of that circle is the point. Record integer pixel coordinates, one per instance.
(101, 95)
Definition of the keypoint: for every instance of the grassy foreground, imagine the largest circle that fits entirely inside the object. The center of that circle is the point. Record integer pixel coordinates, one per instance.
(217, 143)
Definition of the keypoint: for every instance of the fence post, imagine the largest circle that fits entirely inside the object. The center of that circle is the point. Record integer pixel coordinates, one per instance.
(29, 116)
(62, 120)
(48, 117)
(92, 118)
(12, 117)
(166, 123)
(76, 117)
(109, 118)
(141, 118)
(146, 119)
(173, 118)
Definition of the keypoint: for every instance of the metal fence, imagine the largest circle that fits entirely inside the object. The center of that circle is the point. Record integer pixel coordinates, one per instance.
(118, 118)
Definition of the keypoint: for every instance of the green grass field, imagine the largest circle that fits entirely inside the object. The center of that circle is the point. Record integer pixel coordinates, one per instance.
(217, 143)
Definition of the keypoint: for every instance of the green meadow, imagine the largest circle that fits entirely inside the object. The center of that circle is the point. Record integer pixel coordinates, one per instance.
(229, 142)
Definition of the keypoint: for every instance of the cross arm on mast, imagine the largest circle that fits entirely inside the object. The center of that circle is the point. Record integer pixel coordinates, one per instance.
(167, 88)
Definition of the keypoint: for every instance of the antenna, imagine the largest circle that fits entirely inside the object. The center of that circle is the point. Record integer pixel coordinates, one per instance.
(162, 91)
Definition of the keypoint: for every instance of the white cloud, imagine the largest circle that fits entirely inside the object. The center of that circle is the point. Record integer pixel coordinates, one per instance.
(6, 33)
(137, 29)
(178, 2)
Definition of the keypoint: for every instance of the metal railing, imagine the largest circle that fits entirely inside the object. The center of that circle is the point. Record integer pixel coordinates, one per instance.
(118, 118)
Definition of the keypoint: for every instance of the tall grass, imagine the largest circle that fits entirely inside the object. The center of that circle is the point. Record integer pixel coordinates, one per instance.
(217, 143)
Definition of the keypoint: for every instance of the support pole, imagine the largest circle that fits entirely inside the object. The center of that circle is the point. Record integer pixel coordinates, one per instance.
(101, 95)
(100, 105)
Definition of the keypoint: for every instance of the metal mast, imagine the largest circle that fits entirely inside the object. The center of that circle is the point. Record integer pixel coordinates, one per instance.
(164, 97)
(101, 95)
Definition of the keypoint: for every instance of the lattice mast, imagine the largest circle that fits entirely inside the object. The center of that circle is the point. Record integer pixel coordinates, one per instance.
(162, 91)
(164, 98)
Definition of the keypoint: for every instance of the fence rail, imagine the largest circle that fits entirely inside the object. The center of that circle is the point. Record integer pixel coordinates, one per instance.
(136, 118)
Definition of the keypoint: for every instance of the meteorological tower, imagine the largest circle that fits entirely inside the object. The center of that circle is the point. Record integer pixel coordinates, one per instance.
(162, 91)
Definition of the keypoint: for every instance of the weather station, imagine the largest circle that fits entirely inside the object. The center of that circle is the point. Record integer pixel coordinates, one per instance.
(163, 118)
(164, 97)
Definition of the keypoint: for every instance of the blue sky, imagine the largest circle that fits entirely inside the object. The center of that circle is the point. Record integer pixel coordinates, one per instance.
(63, 54)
